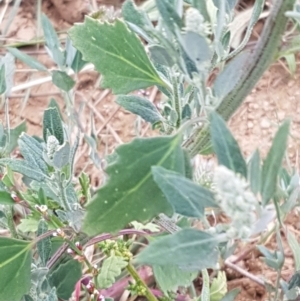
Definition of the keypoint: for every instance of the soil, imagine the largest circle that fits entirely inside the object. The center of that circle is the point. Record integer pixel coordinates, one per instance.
(274, 98)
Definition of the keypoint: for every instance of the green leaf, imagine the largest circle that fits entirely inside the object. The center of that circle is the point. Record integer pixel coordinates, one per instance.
(14, 135)
(28, 225)
(254, 172)
(32, 152)
(5, 198)
(295, 247)
(169, 14)
(189, 249)
(272, 164)
(117, 54)
(131, 193)
(230, 296)
(161, 56)
(65, 277)
(28, 60)
(44, 245)
(15, 262)
(2, 79)
(62, 155)
(170, 277)
(52, 41)
(8, 61)
(205, 292)
(78, 63)
(140, 106)
(218, 287)
(134, 15)
(23, 168)
(52, 124)
(62, 80)
(225, 146)
(186, 197)
(111, 268)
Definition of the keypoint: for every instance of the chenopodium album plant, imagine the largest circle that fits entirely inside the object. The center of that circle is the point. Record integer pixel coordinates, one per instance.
(150, 180)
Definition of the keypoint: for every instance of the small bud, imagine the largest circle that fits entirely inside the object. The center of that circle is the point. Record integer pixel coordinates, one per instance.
(70, 251)
(78, 245)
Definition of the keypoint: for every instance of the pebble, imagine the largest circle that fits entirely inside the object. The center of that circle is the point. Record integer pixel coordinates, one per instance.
(265, 124)
(250, 124)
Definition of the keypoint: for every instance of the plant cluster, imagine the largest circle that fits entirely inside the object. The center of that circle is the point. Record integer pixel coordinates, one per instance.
(73, 241)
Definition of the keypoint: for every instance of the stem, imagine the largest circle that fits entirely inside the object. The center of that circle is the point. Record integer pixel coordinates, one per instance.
(176, 101)
(277, 284)
(132, 271)
(62, 191)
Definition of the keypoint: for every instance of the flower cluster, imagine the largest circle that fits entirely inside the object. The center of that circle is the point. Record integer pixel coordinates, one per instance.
(194, 21)
(52, 145)
(236, 200)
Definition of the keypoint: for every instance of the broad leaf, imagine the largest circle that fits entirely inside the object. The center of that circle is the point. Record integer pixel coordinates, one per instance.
(254, 172)
(28, 60)
(15, 262)
(131, 193)
(117, 54)
(161, 56)
(186, 197)
(272, 164)
(111, 268)
(225, 146)
(140, 106)
(44, 245)
(62, 80)
(189, 249)
(52, 124)
(65, 277)
(5, 198)
(170, 277)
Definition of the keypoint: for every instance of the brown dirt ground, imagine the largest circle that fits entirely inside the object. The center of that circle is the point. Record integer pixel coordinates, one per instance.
(274, 99)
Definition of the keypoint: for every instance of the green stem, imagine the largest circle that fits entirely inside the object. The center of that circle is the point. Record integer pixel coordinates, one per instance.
(62, 191)
(176, 101)
(132, 271)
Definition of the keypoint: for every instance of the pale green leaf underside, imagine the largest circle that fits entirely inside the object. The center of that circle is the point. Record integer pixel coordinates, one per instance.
(186, 197)
(15, 261)
(117, 54)
(189, 249)
(131, 193)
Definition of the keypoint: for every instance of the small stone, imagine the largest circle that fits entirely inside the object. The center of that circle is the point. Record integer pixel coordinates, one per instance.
(250, 124)
(281, 115)
(265, 124)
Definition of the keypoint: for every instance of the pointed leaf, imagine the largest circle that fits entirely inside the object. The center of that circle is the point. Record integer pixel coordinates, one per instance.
(254, 172)
(131, 193)
(52, 123)
(14, 135)
(78, 63)
(15, 262)
(44, 245)
(62, 155)
(225, 146)
(5, 198)
(28, 60)
(273, 162)
(62, 80)
(170, 277)
(24, 168)
(295, 247)
(117, 54)
(52, 41)
(189, 249)
(111, 268)
(65, 277)
(161, 56)
(186, 197)
(140, 106)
